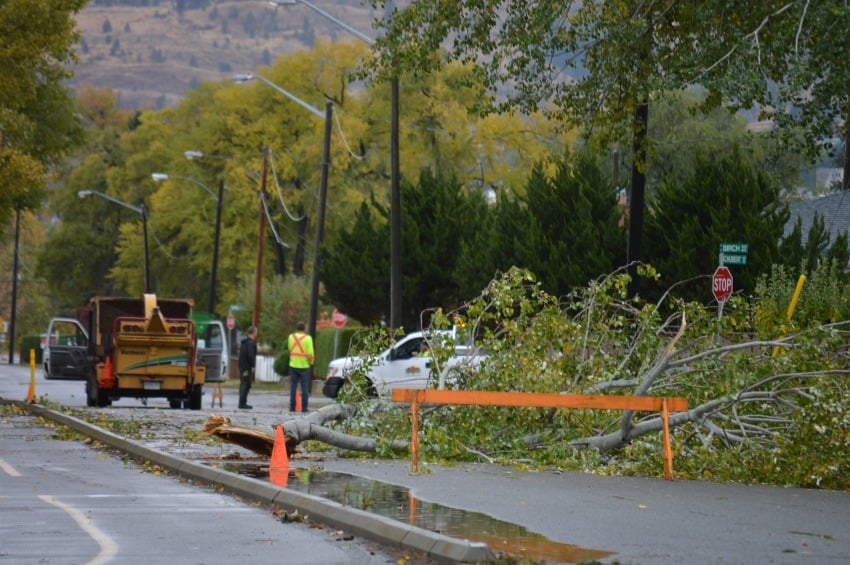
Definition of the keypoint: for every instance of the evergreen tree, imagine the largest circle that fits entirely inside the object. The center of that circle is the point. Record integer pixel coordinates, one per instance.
(437, 215)
(355, 270)
(574, 233)
(723, 200)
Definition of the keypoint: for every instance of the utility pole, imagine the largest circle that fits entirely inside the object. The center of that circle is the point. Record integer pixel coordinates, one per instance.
(395, 213)
(320, 220)
(214, 270)
(258, 285)
(13, 314)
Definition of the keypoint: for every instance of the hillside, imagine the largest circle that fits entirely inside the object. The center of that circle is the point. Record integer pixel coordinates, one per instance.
(151, 55)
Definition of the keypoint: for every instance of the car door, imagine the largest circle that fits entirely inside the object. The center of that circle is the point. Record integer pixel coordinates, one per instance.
(65, 350)
(213, 352)
(403, 367)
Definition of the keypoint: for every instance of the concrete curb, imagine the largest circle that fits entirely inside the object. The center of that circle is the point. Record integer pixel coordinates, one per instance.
(359, 522)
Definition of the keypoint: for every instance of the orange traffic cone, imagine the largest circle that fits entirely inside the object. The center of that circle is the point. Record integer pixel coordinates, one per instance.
(280, 459)
(108, 378)
(279, 467)
(297, 401)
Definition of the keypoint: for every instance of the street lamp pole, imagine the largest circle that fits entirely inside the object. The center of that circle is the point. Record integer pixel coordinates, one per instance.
(395, 173)
(214, 270)
(138, 210)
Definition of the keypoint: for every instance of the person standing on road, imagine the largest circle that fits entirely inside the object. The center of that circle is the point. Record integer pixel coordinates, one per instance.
(301, 359)
(247, 364)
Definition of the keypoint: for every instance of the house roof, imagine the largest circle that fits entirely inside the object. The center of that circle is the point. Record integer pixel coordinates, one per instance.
(833, 208)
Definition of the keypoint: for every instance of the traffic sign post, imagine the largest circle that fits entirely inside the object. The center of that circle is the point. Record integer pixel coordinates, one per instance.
(338, 319)
(722, 284)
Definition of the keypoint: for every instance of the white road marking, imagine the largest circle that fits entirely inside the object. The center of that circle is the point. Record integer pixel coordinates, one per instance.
(11, 471)
(108, 548)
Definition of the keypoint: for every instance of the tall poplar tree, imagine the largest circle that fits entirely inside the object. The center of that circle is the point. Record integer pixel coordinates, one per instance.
(37, 122)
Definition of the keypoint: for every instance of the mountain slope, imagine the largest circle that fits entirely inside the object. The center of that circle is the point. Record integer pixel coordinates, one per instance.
(151, 55)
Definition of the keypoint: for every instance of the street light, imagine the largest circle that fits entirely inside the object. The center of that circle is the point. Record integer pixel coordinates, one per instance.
(323, 189)
(138, 210)
(214, 270)
(239, 79)
(395, 174)
(324, 14)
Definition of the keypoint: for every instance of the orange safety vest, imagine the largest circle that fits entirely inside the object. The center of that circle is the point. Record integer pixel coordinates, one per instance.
(299, 358)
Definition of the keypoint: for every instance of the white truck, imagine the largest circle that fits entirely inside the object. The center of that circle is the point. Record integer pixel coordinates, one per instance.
(402, 365)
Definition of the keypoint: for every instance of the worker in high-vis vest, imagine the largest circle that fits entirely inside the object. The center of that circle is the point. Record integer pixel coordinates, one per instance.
(301, 359)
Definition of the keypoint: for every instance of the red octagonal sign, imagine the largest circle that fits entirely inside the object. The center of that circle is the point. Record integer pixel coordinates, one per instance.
(339, 319)
(721, 284)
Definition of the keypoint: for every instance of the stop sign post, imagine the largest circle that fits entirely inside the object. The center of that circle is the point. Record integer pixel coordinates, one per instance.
(721, 284)
(338, 319)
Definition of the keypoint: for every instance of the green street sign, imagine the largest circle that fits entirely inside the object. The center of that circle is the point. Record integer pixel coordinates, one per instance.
(733, 259)
(734, 253)
(735, 248)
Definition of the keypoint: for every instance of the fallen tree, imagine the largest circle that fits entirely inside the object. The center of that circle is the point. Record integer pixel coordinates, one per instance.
(763, 409)
(295, 430)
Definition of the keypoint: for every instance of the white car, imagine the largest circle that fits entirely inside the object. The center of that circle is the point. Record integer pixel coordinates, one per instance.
(402, 366)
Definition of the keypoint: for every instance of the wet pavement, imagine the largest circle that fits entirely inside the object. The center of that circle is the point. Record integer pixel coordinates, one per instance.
(518, 512)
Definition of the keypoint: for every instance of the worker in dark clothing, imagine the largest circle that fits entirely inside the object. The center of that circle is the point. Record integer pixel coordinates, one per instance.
(247, 364)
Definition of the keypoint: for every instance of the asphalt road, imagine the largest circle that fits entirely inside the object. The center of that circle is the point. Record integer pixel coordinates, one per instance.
(64, 502)
(631, 519)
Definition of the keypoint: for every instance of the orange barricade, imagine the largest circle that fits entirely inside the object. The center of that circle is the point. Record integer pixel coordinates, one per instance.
(539, 400)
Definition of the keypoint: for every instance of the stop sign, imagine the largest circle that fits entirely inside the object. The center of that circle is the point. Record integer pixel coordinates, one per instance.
(339, 319)
(721, 284)
(231, 322)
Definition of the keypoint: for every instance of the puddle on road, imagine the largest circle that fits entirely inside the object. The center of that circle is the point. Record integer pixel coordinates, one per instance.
(396, 502)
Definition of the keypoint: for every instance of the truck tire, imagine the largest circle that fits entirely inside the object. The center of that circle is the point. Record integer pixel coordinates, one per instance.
(96, 396)
(175, 403)
(196, 395)
(102, 397)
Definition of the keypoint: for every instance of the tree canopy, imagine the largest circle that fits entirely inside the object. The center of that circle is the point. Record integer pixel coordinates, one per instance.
(37, 122)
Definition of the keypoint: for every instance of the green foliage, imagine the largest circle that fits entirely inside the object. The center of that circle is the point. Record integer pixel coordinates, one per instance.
(355, 268)
(566, 227)
(31, 343)
(573, 231)
(825, 298)
(722, 199)
(330, 344)
(283, 303)
(36, 117)
(778, 418)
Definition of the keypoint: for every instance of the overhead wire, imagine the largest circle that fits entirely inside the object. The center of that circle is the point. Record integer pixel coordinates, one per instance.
(280, 193)
(344, 140)
(277, 238)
